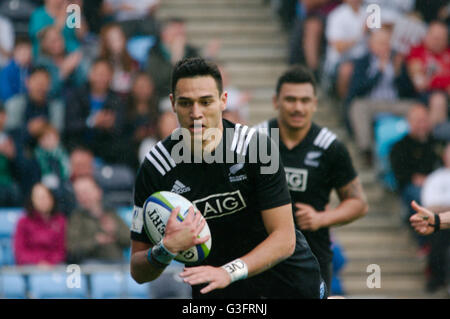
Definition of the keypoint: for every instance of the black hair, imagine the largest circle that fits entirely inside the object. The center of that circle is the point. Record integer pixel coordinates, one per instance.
(193, 67)
(99, 60)
(39, 68)
(298, 74)
(22, 40)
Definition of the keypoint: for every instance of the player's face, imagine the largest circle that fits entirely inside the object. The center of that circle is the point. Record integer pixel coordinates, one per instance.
(296, 105)
(198, 105)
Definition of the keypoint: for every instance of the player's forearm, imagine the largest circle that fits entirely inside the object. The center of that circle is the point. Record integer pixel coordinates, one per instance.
(141, 270)
(274, 249)
(348, 211)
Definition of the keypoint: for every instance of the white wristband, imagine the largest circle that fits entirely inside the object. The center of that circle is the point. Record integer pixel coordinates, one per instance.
(237, 269)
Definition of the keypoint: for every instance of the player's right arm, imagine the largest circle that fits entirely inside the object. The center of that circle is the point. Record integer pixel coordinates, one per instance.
(178, 236)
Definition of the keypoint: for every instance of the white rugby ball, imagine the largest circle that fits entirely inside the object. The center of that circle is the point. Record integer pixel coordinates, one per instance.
(157, 210)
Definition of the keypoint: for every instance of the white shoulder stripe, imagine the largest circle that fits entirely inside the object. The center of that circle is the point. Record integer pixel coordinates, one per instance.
(247, 140)
(325, 138)
(235, 137)
(330, 140)
(320, 136)
(166, 154)
(155, 163)
(241, 139)
(160, 158)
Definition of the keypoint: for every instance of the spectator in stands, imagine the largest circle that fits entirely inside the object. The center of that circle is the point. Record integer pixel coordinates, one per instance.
(40, 235)
(53, 13)
(429, 68)
(441, 129)
(308, 33)
(95, 234)
(10, 193)
(375, 87)
(65, 70)
(94, 13)
(81, 164)
(52, 159)
(345, 33)
(13, 76)
(135, 17)
(113, 48)
(33, 110)
(286, 10)
(436, 198)
(6, 40)
(414, 157)
(142, 114)
(171, 47)
(94, 116)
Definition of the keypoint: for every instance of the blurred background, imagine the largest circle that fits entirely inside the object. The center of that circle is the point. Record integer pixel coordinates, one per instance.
(84, 96)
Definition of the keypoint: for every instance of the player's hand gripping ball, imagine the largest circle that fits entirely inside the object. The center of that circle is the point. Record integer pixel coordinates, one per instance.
(157, 210)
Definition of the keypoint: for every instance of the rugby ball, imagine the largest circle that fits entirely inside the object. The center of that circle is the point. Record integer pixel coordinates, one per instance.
(157, 210)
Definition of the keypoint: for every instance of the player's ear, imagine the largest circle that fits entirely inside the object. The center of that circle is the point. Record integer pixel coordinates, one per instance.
(223, 100)
(172, 101)
(275, 102)
(315, 103)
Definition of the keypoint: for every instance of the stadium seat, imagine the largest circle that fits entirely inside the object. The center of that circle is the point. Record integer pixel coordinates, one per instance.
(126, 213)
(108, 285)
(139, 46)
(6, 251)
(135, 290)
(12, 286)
(8, 220)
(55, 286)
(389, 129)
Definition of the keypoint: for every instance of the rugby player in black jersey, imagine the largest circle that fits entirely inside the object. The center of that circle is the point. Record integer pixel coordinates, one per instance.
(256, 251)
(315, 162)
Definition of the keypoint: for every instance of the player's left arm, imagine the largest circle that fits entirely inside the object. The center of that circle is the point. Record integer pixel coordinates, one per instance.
(279, 245)
(353, 205)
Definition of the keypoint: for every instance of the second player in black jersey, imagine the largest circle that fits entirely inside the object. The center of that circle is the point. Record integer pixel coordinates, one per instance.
(315, 163)
(248, 211)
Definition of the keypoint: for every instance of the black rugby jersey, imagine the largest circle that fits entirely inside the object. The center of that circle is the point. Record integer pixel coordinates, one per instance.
(319, 163)
(231, 195)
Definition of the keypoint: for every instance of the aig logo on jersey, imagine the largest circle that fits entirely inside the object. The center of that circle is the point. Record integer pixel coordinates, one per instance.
(296, 179)
(219, 205)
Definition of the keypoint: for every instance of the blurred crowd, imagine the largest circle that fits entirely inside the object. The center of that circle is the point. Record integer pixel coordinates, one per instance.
(84, 95)
(389, 71)
(82, 102)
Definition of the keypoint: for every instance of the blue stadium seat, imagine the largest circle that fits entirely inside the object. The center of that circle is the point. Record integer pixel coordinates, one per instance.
(6, 251)
(12, 286)
(55, 286)
(8, 220)
(135, 290)
(107, 285)
(126, 213)
(389, 129)
(127, 254)
(139, 47)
